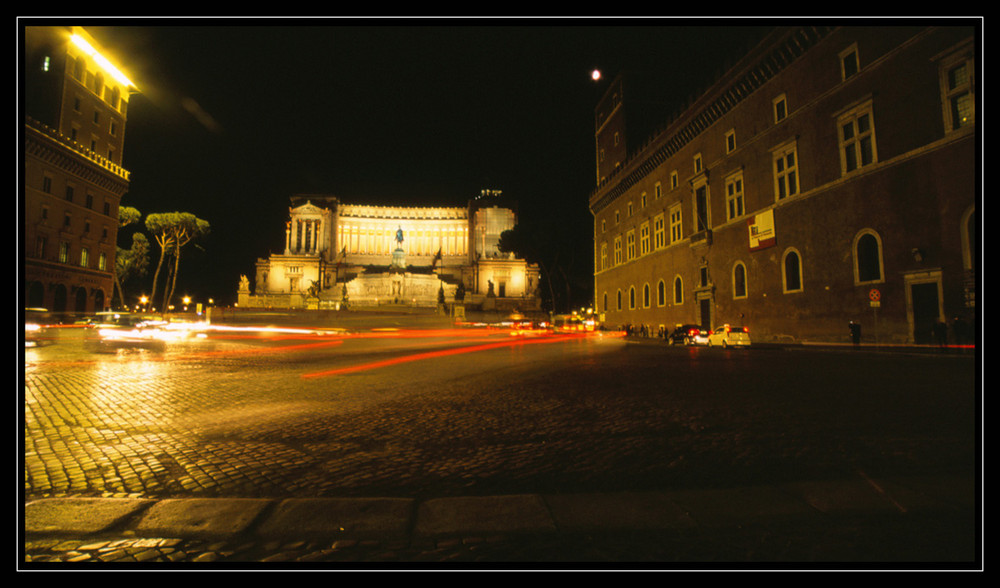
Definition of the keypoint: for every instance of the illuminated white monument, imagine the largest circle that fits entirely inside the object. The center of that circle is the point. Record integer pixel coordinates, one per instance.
(380, 255)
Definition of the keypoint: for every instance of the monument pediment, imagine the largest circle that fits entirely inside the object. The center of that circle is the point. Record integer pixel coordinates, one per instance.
(308, 208)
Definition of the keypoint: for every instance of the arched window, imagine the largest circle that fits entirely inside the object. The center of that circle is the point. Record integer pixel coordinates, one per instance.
(645, 296)
(661, 293)
(631, 298)
(619, 300)
(678, 291)
(739, 280)
(791, 269)
(605, 305)
(99, 85)
(867, 257)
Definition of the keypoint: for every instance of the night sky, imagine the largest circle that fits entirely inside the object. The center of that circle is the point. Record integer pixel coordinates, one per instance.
(235, 116)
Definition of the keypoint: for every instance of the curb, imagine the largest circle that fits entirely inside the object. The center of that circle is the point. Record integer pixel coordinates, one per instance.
(950, 350)
(523, 514)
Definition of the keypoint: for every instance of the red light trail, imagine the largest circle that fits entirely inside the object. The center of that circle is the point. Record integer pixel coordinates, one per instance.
(434, 354)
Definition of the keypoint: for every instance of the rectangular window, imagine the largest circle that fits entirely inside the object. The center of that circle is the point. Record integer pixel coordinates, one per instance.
(734, 196)
(730, 141)
(618, 250)
(959, 93)
(673, 179)
(849, 62)
(657, 191)
(102, 262)
(84, 257)
(47, 184)
(604, 256)
(960, 100)
(780, 108)
(40, 247)
(786, 179)
(644, 239)
(69, 193)
(701, 208)
(675, 223)
(697, 163)
(857, 139)
(630, 246)
(659, 232)
(63, 252)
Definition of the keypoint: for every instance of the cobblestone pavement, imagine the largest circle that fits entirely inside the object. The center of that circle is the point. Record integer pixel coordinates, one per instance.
(855, 543)
(267, 417)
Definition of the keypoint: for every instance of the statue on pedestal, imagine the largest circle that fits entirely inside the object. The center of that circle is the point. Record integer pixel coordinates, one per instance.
(398, 256)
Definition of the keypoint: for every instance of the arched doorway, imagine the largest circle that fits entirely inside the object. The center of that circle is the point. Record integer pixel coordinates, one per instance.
(59, 298)
(80, 304)
(35, 296)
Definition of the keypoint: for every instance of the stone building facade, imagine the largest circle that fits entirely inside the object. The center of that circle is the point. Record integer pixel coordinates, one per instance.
(75, 107)
(829, 176)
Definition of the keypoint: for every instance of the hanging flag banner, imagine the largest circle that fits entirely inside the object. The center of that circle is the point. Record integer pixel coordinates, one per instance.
(761, 228)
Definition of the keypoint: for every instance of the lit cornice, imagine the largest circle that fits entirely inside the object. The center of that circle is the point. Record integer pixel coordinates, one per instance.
(102, 61)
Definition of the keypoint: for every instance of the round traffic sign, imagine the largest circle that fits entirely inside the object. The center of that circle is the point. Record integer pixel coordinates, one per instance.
(874, 294)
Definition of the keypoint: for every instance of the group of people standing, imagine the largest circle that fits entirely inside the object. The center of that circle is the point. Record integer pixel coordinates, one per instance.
(961, 334)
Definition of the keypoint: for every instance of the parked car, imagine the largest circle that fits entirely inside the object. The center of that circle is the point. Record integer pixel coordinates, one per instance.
(38, 328)
(729, 336)
(688, 335)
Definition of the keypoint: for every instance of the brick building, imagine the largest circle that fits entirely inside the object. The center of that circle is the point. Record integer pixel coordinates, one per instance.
(75, 104)
(829, 176)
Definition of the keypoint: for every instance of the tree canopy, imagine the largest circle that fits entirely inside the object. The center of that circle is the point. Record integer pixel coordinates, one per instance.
(172, 231)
